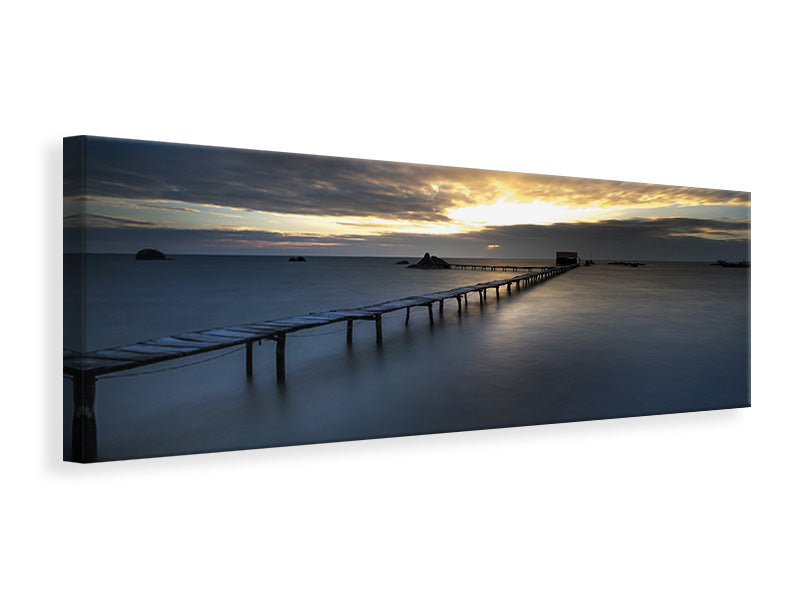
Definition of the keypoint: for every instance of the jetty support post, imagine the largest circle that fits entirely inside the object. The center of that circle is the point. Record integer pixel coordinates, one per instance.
(441, 306)
(248, 361)
(349, 332)
(378, 329)
(408, 313)
(84, 425)
(430, 312)
(458, 299)
(497, 291)
(280, 357)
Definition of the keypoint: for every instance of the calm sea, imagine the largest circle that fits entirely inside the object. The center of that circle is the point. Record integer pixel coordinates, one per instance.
(597, 342)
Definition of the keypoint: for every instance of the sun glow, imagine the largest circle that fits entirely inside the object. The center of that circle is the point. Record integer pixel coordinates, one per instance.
(505, 211)
(374, 226)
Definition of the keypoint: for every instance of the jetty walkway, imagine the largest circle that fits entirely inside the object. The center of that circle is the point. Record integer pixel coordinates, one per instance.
(84, 368)
(514, 268)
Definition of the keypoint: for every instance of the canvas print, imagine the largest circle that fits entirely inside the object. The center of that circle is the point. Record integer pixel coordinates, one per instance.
(224, 299)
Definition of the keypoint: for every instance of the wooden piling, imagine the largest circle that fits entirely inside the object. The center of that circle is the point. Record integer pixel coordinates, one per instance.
(497, 291)
(249, 359)
(349, 332)
(280, 357)
(408, 313)
(378, 329)
(430, 312)
(84, 425)
(441, 306)
(458, 299)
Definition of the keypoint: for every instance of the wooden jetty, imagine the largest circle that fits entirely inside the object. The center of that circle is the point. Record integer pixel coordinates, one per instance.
(84, 368)
(514, 268)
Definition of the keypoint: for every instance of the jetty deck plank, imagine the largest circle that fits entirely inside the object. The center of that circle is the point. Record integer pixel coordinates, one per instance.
(253, 330)
(147, 348)
(122, 355)
(228, 333)
(173, 342)
(208, 340)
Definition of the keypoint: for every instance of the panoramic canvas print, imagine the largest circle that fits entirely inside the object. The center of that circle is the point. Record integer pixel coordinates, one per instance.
(225, 299)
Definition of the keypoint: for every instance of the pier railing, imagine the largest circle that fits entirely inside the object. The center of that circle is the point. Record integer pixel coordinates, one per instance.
(84, 368)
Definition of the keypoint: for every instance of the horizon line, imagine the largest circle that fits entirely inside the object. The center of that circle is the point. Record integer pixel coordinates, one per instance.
(133, 254)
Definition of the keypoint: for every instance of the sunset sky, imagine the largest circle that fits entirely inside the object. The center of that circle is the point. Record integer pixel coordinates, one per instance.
(195, 199)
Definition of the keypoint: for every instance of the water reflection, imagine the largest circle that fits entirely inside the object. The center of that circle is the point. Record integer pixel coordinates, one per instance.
(593, 343)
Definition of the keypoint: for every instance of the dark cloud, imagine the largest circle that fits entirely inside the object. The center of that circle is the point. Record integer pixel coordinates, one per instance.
(339, 187)
(651, 239)
(93, 220)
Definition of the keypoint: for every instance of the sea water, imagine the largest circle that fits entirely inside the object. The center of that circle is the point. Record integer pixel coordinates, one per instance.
(596, 342)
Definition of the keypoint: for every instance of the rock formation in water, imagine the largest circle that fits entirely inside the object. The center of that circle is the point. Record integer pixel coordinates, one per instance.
(297, 259)
(430, 262)
(150, 254)
(401, 262)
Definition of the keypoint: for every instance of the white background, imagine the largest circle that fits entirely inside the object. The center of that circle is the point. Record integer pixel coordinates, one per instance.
(685, 506)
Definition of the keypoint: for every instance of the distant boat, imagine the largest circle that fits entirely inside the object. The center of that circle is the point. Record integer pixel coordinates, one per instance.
(724, 263)
(627, 264)
(740, 265)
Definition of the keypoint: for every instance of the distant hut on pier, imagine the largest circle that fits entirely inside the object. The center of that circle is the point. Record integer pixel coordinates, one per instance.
(567, 258)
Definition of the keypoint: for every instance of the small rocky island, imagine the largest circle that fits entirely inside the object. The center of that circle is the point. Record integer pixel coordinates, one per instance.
(430, 262)
(297, 259)
(401, 262)
(150, 254)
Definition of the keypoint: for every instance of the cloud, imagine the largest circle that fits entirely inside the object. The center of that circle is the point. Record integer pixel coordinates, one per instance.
(641, 239)
(94, 220)
(342, 187)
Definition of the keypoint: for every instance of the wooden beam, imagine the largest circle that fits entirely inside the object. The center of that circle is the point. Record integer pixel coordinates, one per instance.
(248, 361)
(280, 357)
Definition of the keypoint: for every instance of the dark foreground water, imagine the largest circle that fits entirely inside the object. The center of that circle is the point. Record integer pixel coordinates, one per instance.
(597, 342)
